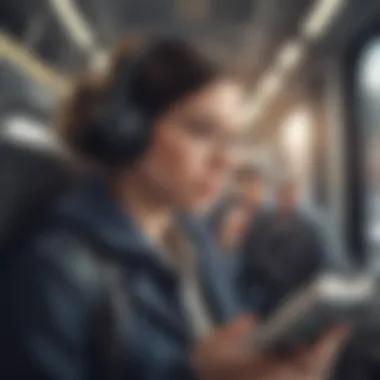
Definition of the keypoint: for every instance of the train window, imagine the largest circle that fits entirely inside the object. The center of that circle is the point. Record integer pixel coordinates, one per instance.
(368, 95)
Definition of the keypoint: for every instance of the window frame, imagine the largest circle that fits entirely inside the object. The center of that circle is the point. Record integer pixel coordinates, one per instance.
(354, 143)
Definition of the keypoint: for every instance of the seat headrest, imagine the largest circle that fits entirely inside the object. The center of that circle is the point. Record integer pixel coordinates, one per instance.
(31, 134)
(34, 168)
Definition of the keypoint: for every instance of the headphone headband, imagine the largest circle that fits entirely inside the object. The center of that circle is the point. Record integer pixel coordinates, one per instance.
(121, 132)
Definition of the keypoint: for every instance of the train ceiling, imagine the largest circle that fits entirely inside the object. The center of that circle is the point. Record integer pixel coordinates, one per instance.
(252, 28)
(65, 33)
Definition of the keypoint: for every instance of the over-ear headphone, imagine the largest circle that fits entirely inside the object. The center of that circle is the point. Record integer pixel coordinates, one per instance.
(120, 132)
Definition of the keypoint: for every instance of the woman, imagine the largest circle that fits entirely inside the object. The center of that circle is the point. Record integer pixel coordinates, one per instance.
(158, 132)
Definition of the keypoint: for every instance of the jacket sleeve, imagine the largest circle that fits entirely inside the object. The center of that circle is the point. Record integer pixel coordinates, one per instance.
(46, 298)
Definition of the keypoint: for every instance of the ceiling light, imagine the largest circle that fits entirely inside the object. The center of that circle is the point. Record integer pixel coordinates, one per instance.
(74, 23)
(269, 86)
(295, 132)
(370, 73)
(288, 58)
(23, 59)
(320, 17)
(290, 55)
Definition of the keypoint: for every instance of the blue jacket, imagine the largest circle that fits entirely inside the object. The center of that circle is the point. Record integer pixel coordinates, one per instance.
(47, 313)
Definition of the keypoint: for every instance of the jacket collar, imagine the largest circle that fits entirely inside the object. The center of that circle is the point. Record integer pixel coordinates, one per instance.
(92, 206)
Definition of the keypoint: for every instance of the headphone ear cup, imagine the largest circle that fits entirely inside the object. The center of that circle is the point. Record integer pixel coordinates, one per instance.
(117, 139)
(122, 131)
(132, 132)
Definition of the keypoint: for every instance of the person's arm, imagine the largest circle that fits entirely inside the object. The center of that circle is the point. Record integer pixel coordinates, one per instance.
(46, 322)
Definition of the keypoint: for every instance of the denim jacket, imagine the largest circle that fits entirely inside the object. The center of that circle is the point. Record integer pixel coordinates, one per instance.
(48, 311)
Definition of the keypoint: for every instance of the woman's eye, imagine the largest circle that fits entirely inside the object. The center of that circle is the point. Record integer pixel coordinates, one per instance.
(201, 128)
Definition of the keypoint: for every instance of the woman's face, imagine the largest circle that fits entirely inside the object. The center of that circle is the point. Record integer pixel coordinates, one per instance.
(190, 154)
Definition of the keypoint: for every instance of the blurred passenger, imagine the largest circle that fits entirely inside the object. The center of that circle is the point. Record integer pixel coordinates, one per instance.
(230, 217)
(287, 200)
(282, 250)
(249, 185)
(117, 283)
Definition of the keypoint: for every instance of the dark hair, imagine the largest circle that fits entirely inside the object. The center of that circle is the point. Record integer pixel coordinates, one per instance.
(164, 73)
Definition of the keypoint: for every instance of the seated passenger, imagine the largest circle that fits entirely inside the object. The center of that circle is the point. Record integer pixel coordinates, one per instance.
(230, 217)
(282, 250)
(121, 282)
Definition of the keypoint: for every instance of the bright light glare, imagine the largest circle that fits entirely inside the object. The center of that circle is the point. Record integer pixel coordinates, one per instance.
(288, 59)
(266, 89)
(293, 52)
(374, 233)
(291, 55)
(370, 71)
(296, 133)
(271, 84)
(320, 17)
(75, 23)
(26, 131)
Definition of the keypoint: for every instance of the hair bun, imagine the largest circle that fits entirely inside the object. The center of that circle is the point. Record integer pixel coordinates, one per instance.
(165, 72)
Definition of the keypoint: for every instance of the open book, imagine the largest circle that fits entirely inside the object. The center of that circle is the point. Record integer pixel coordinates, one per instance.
(327, 301)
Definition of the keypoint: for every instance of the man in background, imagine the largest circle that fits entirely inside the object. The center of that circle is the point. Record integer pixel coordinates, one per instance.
(230, 217)
(282, 250)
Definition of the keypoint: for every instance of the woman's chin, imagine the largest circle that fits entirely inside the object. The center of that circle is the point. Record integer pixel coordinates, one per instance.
(200, 205)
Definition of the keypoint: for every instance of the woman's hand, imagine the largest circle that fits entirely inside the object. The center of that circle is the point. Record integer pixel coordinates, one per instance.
(223, 356)
(312, 363)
